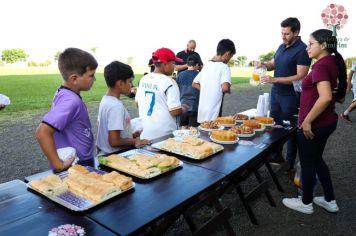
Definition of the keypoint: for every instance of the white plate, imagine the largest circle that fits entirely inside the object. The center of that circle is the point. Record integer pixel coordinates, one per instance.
(246, 135)
(261, 129)
(184, 132)
(205, 129)
(224, 142)
(270, 124)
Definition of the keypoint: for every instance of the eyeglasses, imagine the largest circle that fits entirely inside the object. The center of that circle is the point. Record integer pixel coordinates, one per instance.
(311, 44)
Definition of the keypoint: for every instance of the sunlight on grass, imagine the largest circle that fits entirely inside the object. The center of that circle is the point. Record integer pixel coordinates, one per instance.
(34, 90)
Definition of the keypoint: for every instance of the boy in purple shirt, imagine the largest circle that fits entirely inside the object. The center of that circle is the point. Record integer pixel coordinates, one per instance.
(67, 124)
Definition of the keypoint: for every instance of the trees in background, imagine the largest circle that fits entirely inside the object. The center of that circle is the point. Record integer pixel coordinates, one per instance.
(266, 57)
(13, 55)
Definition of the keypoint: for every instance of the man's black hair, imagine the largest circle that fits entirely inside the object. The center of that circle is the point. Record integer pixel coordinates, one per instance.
(117, 71)
(293, 23)
(225, 45)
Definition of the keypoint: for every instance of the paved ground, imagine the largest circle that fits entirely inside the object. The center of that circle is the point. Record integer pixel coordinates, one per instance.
(20, 156)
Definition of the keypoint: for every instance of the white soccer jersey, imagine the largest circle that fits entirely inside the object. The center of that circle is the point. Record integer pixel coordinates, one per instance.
(212, 76)
(157, 94)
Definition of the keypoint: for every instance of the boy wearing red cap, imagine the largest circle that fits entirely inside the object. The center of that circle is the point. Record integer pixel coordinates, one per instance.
(158, 97)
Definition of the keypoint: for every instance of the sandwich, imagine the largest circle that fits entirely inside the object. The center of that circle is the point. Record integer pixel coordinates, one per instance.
(49, 185)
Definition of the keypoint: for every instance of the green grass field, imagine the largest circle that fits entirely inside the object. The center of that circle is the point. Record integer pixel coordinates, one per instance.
(35, 91)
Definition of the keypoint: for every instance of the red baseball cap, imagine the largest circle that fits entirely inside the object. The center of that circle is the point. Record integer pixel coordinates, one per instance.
(165, 55)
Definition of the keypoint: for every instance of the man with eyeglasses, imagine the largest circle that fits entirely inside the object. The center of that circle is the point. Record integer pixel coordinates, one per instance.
(190, 50)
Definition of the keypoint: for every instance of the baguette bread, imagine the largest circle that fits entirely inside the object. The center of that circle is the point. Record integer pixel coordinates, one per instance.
(121, 181)
(49, 185)
(192, 147)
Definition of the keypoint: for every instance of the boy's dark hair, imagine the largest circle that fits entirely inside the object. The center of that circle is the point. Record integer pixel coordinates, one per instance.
(117, 71)
(225, 45)
(293, 23)
(192, 60)
(75, 61)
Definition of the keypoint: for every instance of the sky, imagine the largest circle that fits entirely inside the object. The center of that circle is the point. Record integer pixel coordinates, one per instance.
(135, 28)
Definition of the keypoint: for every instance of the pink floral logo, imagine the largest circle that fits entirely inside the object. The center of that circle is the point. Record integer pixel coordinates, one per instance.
(334, 17)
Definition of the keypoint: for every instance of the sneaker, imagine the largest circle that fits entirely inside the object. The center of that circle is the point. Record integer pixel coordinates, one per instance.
(298, 205)
(345, 118)
(329, 206)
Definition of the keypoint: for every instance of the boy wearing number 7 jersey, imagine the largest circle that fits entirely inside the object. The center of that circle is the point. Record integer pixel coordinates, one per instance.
(158, 97)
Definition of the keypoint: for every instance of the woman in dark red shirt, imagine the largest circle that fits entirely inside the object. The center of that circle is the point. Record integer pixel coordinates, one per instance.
(321, 88)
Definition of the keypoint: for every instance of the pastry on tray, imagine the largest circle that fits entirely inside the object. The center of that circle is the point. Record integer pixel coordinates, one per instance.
(238, 116)
(224, 135)
(242, 129)
(265, 120)
(254, 124)
(210, 125)
(227, 120)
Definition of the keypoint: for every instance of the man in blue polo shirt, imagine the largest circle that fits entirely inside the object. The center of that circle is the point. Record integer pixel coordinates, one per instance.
(290, 64)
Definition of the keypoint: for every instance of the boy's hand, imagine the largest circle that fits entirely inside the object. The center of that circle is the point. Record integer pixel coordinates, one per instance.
(185, 108)
(141, 142)
(136, 134)
(66, 164)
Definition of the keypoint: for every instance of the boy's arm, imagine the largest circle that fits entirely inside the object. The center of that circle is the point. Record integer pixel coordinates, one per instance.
(181, 67)
(226, 87)
(176, 112)
(196, 85)
(44, 135)
(349, 77)
(116, 141)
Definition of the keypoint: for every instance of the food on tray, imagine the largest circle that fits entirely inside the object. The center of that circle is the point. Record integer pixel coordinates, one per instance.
(210, 125)
(90, 186)
(49, 185)
(242, 129)
(224, 135)
(228, 120)
(78, 169)
(121, 181)
(254, 124)
(141, 165)
(83, 183)
(265, 120)
(190, 146)
(186, 131)
(240, 117)
(193, 131)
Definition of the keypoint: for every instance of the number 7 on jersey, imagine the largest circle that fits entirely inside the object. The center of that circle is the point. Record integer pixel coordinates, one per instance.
(152, 103)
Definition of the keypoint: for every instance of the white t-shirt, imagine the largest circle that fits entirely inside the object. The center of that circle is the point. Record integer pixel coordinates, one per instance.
(156, 95)
(212, 76)
(112, 116)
